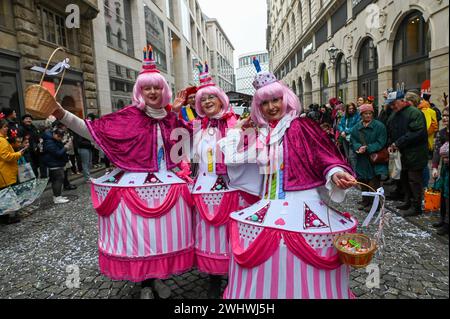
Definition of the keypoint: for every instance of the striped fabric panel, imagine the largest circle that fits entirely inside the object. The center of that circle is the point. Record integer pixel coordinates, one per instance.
(210, 239)
(284, 276)
(126, 234)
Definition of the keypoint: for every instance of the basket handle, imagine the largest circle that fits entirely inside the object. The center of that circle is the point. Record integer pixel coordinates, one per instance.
(46, 68)
(331, 195)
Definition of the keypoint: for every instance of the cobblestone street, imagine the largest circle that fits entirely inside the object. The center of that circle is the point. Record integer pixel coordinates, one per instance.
(35, 255)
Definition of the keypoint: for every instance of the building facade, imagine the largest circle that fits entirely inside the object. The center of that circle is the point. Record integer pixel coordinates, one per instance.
(221, 58)
(245, 73)
(176, 30)
(351, 48)
(30, 31)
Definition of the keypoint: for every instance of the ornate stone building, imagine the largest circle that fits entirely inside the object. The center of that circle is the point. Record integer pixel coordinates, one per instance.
(178, 33)
(29, 31)
(221, 57)
(351, 48)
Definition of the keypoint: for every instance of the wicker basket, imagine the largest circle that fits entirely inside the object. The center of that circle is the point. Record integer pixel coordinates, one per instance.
(39, 102)
(357, 260)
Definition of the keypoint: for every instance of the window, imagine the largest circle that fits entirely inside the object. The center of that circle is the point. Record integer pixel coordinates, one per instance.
(339, 18)
(310, 11)
(119, 39)
(324, 82)
(108, 34)
(118, 19)
(322, 35)
(6, 14)
(360, 5)
(118, 70)
(52, 29)
(368, 58)
(411, 48)
(341, 78)
(367, 70)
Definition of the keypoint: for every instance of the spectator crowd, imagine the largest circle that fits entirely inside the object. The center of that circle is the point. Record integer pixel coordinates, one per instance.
(407, 127)
(404, 144)
(51, 150)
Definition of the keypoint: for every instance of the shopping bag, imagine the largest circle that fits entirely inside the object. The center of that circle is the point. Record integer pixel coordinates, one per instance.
(432, 199)
(26, 173)
(395, 165)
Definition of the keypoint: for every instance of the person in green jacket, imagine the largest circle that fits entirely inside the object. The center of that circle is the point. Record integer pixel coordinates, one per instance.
(367, 137)
(407, 132)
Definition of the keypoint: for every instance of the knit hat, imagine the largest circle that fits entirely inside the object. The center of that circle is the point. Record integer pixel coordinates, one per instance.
(149, 65)
(262, 78)
(191, 90)
(366, 108)
(205, 78)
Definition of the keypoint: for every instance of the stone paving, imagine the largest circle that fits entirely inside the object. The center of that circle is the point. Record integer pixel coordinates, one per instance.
(35, 254)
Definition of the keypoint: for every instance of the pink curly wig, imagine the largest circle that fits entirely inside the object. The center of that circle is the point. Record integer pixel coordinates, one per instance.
(214, 90)
(151, 79)
(290, 105)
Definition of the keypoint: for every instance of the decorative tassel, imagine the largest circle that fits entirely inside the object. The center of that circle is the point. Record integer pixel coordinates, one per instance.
(210, 160)
(206, 67)
(145, 53)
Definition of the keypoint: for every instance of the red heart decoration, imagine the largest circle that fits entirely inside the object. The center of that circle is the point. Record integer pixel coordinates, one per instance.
(285, 204)
(199, 188)
(280, 222)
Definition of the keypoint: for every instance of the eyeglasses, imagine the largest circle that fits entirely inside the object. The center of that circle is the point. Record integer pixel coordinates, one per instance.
(208, 98)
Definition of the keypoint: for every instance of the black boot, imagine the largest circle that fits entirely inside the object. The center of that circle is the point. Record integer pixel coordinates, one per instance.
(394, 196)
(438, 225)
(214, 287)
(414, 210)
(443, 230)
(404, 206)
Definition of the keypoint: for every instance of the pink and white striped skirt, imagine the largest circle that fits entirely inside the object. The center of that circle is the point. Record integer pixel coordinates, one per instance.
(285, 276)
(212, 249)
(135, 248)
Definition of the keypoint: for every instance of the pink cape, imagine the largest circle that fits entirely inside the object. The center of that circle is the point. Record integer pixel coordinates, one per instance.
(129, 138)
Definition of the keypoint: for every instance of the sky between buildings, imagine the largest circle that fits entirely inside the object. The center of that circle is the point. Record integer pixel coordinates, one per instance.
(244, 22)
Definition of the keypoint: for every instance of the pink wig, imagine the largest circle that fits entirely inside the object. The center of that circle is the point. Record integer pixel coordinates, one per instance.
(211, 90)
(290, 104)
(151, 79)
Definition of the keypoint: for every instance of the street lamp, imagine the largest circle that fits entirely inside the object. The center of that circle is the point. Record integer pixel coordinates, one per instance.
(333, 51)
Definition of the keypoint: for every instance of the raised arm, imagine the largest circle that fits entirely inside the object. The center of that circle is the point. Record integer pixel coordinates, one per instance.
(73, 122)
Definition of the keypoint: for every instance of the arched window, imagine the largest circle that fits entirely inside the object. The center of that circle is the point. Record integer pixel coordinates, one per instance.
(300, 90)
(411, 48)
(108, 34)
(324, 83)
(367, 70)
(308, 89)
(341, 78)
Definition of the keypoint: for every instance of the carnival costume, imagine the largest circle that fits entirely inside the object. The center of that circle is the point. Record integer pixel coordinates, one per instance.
(282, 246)
(214, 197)
(143, 206)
